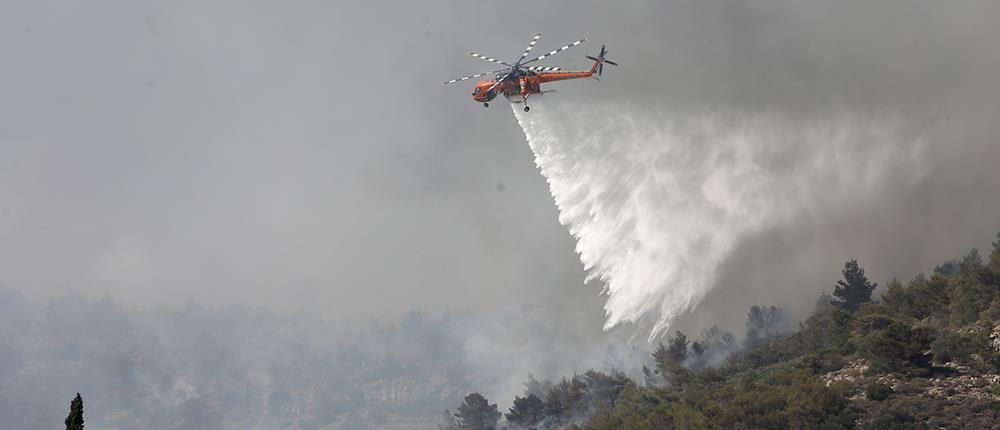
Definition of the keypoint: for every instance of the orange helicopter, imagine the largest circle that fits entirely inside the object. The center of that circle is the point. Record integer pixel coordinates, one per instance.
(518, 82)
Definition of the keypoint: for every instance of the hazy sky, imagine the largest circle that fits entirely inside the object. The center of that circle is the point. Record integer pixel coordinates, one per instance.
(304, 154)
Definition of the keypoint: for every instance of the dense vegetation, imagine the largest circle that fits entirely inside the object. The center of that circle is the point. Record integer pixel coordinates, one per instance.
(923, 356)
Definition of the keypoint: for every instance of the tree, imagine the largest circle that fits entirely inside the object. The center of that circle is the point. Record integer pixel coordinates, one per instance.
(677, 351)
(827, 328)
(698, 349)
(667, 357)
(823, 304)
(854, 289)
(537, 387)
(660, 356)
(968, 298)
(74, 421)
(763, 322)
(920, 299)
(670, 361)
(716, 341)
(476, 413)
(527, 411)
(897, 298)
(566, 400)
(893, 345)
(950, 346)
(604, 388)
(995, 253)
(712, 348)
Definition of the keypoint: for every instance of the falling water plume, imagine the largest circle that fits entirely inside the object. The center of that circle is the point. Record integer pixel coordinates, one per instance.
(658, 202)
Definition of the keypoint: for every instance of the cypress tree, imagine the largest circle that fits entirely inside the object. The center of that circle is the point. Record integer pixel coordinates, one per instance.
(74, 421)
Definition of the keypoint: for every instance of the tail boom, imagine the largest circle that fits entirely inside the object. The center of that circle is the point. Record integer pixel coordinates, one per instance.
(562, 76)
(595, 70)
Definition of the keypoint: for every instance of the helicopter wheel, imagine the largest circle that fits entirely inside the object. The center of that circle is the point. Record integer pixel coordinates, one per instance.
(486, 105)
(526, 108)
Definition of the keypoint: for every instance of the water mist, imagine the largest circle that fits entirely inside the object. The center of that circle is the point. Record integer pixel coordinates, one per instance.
(657, 202)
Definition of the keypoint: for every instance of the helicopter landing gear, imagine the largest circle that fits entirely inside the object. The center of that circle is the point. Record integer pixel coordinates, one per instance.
(527, 108)
(486, 105)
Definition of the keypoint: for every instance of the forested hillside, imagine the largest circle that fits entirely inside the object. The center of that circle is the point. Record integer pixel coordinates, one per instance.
(236, 368)
(922, 354)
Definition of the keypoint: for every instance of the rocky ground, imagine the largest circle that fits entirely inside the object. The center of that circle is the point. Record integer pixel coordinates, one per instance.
(954, 395)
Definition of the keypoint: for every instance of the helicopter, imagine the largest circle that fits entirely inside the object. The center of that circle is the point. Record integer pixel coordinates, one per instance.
(518, 81)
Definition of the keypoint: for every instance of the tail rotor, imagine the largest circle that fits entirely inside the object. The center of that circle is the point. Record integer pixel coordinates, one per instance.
(598, 68)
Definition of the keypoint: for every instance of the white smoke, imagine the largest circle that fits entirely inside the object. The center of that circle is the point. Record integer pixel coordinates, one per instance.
(657, 202)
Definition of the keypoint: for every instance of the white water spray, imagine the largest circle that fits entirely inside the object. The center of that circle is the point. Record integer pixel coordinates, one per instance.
(657, 203)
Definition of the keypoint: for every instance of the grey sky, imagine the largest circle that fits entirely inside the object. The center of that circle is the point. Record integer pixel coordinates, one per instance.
(304, 154)
(261, 154)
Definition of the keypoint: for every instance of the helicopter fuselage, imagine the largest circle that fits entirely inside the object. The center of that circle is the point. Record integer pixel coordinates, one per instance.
(519, 80)
(521, 85)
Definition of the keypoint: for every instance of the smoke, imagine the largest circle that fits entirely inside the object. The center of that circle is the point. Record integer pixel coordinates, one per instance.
(657, 202)
(198, 367)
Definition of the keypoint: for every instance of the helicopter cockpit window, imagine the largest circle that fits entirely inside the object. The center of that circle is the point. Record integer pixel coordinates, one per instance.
(477, 91)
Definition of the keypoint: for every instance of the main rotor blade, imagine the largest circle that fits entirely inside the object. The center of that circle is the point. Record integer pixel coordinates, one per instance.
(473, 76)
(492, 60)
(544, 68)
(498, 82)
(556, 51)
(531, 45)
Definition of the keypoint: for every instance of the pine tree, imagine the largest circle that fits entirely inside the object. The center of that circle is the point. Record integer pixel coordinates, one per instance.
(566, 400)
(713, 346)
(604, 388)
(74, 421)
(669, 361)
(476, 413)
(698, 349)
(661, 357)
(677, 351)
(763, 322)
(995, 253)
(527, 411)
(537, 387)
(668, 358)
(854, 290)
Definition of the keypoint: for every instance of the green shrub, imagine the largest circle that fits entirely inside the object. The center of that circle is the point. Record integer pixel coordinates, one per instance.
(994, 389)
(878, 391)
(969, 299)
(823, 361)
(891, 420)
(904, 388)
(951, 347)
(992, 313)
(893, 346)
